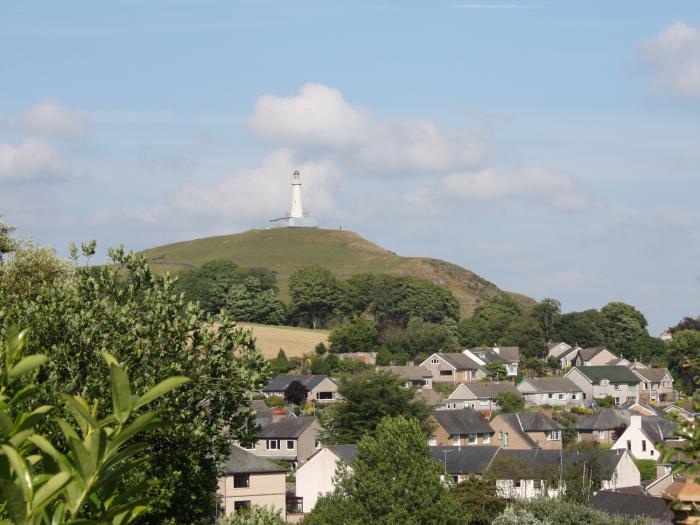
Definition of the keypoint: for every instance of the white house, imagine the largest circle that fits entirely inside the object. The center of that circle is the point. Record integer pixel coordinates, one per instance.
(315, 478)
(479, 396)
(509, 356)
(453, 367)
(556, 350)
(644, 435)
(552, 391)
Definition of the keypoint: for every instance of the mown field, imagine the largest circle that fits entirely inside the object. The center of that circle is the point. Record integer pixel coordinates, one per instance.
(294, 341)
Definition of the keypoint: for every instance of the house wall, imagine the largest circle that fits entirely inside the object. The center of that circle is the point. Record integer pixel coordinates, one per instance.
(324, 386)
(304, 446)
(265, 489)
(543, 442)
(626, 474)
(315, 478)
(540, 398)
(558, 350)
(435, 370)
(307, 442)
(656, 391)
(602, 358)
(515, 440)
(660, 485)
(623, 393)
(507, 488)
(601, 436)
(637, 439)
(582, 382)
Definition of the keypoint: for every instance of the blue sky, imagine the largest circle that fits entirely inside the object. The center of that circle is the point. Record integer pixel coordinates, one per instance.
(551, 147)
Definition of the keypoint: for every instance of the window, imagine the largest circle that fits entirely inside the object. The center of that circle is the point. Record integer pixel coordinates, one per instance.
(537, 484)
(241, 481)
(435, 361)
(617, 386)
(472, 439)
(644, 445)
(550, 395)
(445, 372)
(561, 396)
(455, 479)
(325, 396)
(484, 402)
(291, 444)
(238, 505)
(554, 435)
(604, 382)
(616, 400)
(456, 439)
(574, 396)
(486, 438)
(273, 444)
(317, 444)
(505, 439)
(629, 445)
(517, 483)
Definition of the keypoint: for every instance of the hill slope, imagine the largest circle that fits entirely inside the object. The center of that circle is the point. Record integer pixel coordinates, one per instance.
(344, 253)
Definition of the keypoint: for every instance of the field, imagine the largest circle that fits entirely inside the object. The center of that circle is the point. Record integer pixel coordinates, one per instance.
(344, 253)
(294, 341)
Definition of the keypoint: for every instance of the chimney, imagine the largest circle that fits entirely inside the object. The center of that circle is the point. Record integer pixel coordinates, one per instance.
(496, 349)
(636, 421)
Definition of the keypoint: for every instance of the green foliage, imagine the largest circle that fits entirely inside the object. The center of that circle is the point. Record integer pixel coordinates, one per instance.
(39, 484)
(604, 402)
(425, 337)
(28, 269)
(624, 329)
(684, 359)
(7, 242)
(498, 369)
(255, 515)
(280, 364)
(367, 398)
(295, 393)
(547, 313)
(583, 328)
(316, 294)
(489, 322)
(248, 301)
(357, 335)
(584, 477)
(274, 401)
(320, 349)
(478, 500)
(125, 310)
(510, 402)
(393, 480)
(562, 512)
(647, 468)
(517, 516)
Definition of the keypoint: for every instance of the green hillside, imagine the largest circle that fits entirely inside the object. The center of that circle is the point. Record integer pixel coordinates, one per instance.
(344, 253)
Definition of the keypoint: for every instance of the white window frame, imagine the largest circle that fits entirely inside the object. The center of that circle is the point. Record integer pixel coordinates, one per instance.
(486, 439)
(505, 439)
(270, 442)
(561, 396)
(435, 361)
(616, 386)
(484, 402)
(472, 439)
(294, 444)
(456, 439)
(554, 435)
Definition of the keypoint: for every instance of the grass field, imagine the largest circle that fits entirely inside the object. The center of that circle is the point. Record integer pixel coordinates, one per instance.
(294, 341)
(344, 253)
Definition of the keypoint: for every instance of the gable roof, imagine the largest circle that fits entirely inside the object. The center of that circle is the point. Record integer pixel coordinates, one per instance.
(281, 382)
(489, 390)
(552, 384)
(504, 354)
(459, 361)
(629, 405)
(242, 462)
(589, 353)
(409, 372)
(551, 345)
(287, 428)
(524, 422)
(430, 396)
(474, 459)
(652, 375)
(347, 453)
(462, 421)
(548, 459)
(605, 419)
(615, 374)
(658, 429)
(633, 505)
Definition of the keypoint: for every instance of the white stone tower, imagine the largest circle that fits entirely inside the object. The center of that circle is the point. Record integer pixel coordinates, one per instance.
(297, 211)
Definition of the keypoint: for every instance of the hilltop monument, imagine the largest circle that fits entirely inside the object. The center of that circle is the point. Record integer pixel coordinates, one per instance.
(296, 217)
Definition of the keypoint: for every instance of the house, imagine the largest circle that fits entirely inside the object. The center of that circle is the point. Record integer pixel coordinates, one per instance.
(605, 426)
(618, 382)
(556, 350)
(315, 478)
(684, 410)
(566, 358)
(321, 388)
(509, 356)
(290, 438)
(642, 408)
(527, 430)
(430, 397)
(417, 376)
(250, 480)
(454, 367)
(480, 396)
(653, 509)
(656, 384)
(643, 436)
(552, 391)
(460, 427)
(597, 356)
(368, 358)
(461, 462)
(542, 471)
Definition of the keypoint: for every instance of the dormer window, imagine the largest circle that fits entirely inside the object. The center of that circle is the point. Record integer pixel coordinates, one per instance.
(435, 361)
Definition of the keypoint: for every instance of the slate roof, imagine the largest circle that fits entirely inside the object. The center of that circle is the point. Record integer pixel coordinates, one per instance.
(605, 419)
(281, 382)
(505, 354)
(409, 372)
(535, 422)
(430, 396)
(491, 389)
(553, 384)
(589, 353)
(615, 374)
(547, 459)
(646, 406)
(243, 462)
(286, 428)
(658, 428)
(473, 459)
(652, 375)
(460, 361)
(347, 453)
(632, 505)
(462, 421)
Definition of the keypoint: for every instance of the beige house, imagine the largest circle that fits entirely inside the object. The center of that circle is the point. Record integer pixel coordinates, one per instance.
(527, 430)
(320, 388)
(594, 357)
(556, 350)
(618, 382)
(417, 376)
(290, 438)
(656, 384)
(454, 367)
(551, 391)
(315, 478)
(480, 396)
(248, 480)
(604, 427)
(460, 428)
(508, 356)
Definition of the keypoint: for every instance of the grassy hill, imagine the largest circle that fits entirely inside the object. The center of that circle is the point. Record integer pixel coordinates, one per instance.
(344, 253)
(294, 341)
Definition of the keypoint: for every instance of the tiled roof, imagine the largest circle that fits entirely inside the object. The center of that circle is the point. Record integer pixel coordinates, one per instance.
(504, 354)
(548, 459)
(242, 462)
(615, 374)
(553, 384)
(605, 419)
(473, 459)
(632, 505)
(536, 422)
(281, 382)
(287, 428)
(658, 428)
(463, 421)
(589, 353)
(430, 396)
(409, 372)
(460, 361)
(654, 375)
(491, 389)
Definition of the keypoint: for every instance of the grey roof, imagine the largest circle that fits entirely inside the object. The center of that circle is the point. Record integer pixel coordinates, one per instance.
(652, 375)
(281, 382)
(460, 361)
(491, 389)
(548, 459)
(263, 413)
(409, 372)
(463, 421)
(504, 354)
(658, 428)
(552, 344)
(615, 374)
(632, 505)
(589, 353)
(553, 384)
(347, 453)
(287, 428)
(242, 462)
(627, 405)
(472, 459)
(605, 419)
(536, 422)
(430, 396)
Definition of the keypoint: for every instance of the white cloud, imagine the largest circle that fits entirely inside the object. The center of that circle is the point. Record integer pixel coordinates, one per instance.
(319, 117)
(545, 188)
(674, 55)
(50, 117)
(34, 159)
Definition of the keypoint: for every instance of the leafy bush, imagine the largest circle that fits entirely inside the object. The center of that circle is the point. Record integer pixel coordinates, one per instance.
(255, 516)
(647, 468)
(604, 402)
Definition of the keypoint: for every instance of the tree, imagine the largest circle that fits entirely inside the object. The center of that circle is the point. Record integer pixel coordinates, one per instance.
(687, 323)
(525, 332)
(684, 359)
(316, 294)
(269, 309)
(647, 468)
(255, 515)
(517, 516)
(296, 393)
(564, 512)
(393, 480)
(584, 477)
(489, 321)
(7, 242)
(498, 369)
(357, 335)
(510, 402)
(280, 364)
(479, 500)
(424, 337)
(364, 400)
(624, 328)
(126, 310)
(547, 313)
(28, 269)
(582, 328)
(240, 303)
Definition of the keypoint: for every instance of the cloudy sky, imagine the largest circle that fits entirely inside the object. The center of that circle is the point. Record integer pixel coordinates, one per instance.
(553, 147)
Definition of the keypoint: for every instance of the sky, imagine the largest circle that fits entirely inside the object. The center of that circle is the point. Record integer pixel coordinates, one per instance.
(552, 147)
